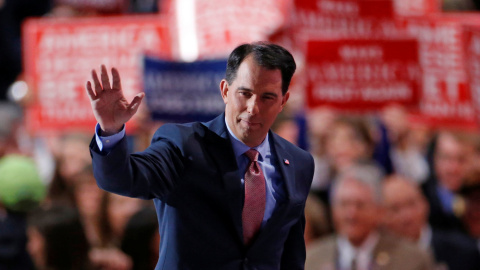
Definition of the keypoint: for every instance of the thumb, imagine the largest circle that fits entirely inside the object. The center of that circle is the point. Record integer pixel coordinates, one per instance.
(135, 104)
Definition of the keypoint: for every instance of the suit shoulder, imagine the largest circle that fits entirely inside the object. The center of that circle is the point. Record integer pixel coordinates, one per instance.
(321, 254)
(176, 132)
(391, 241)
(443, 241)
(401, 251)
(322, 245)
(290, 147)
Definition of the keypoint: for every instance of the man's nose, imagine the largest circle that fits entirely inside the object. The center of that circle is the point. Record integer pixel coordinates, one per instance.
(252, 106)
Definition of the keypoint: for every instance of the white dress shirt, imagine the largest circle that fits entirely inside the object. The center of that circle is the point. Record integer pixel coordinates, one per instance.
(362, 254)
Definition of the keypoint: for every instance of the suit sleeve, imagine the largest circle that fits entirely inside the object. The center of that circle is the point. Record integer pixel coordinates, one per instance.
(294, 253)
(145, 175)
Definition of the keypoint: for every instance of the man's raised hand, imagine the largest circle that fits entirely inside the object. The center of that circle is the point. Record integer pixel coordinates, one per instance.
(110, 107)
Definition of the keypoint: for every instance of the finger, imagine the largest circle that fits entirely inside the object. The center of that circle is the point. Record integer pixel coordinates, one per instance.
(96, 82)
(105, 79)
(90, 92)
(137, 100)
(116, 84)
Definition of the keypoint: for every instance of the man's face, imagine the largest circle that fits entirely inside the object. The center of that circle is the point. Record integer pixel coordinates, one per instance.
(451, 162)
(406, 209)
(344, 147)
(253, 101)
(355, 211)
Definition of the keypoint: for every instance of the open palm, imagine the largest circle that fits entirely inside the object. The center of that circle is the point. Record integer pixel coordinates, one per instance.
(110, 107)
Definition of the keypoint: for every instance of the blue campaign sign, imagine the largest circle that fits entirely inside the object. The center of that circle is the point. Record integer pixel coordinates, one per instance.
(183, 92)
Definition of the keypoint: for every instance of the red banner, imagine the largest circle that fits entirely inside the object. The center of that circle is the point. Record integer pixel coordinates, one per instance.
(445, 99)
(417, 7)
(362, 74)
(219, 26)
(60, 54)
(344, 19)
(472, 52)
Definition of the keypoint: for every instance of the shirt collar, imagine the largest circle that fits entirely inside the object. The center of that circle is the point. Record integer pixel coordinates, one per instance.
(239, 148)
(363, 253)
(425, 238)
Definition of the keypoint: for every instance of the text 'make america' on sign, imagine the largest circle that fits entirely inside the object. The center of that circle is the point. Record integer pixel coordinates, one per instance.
(60, 54)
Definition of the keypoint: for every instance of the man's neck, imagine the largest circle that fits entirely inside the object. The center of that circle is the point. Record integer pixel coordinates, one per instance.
(236, 138)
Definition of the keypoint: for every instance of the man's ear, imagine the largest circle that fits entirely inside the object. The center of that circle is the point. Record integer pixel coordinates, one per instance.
(224, 90)
(284, 100)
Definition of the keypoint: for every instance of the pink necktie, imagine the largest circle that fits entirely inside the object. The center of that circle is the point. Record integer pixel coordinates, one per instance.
(254, 205)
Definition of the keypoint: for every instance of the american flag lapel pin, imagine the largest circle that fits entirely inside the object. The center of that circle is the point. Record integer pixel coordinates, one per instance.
(286, 161)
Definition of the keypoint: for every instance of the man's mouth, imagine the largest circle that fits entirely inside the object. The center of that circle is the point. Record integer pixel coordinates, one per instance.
(249, 122)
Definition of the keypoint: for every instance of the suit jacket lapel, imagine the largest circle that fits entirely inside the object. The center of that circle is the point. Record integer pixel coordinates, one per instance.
(381, 257)
(287, 169)
(287, 166)
(220, 148)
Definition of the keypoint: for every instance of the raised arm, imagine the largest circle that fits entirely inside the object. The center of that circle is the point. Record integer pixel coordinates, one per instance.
(110, 107)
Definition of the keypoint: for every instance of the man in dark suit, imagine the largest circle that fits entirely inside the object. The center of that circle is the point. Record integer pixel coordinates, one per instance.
(407, 216)
(220, 204)
(450, 164)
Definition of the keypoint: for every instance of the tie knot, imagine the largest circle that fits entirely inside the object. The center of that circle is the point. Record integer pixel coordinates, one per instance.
(252, 154)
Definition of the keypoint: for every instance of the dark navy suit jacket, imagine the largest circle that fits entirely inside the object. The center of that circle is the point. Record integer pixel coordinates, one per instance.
(457, 251)
(191, 173)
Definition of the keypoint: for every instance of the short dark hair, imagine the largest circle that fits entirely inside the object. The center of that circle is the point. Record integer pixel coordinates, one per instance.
(267, 55)
(66, 244)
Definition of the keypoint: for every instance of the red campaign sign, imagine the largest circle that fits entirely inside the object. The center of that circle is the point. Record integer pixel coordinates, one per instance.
(220, 27)
(472, 53)
(353, 74)
(60, 54)
(417, 7)
(445, 98)
(344, 18)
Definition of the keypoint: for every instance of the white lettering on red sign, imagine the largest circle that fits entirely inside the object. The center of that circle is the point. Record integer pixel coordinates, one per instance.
(344, 8)
(365, 53)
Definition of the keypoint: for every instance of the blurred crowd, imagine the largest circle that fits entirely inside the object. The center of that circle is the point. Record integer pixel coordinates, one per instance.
(381, 176)
(52, 214)
(385, 187)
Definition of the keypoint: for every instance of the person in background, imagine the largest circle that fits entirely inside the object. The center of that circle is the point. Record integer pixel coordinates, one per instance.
(56, 240)
(286, 127)
(87, 200)
(319, 122)
(406, 215)
(141, 240)
(359, 243)
(71, 160)
(349, 142)
(316, 220)
(115, 212)
(20, 191)
(91, 202)
(451, 163)
(407, 155)
(11, 116)
(470, 193)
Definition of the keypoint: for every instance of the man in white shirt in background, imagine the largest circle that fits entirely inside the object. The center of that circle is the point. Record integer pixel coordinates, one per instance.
(359, 244)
